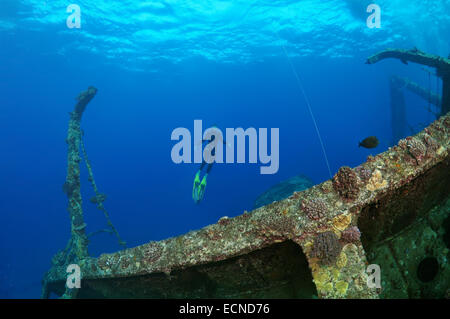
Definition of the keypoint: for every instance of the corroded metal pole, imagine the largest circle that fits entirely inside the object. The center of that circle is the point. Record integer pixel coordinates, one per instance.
(413, 55)
(441, 64)
(426, 94)
(72, 184)
(77, 247)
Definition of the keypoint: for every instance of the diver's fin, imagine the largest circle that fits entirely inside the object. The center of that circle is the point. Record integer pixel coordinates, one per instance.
(195, 187)
(203, 183)
(201, 189)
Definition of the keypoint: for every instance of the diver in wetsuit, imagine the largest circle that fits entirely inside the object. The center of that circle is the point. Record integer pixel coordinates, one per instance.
(198, 190)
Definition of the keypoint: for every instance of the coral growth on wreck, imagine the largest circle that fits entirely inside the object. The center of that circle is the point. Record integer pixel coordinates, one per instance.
(415, 148)
(346, 184)
(363, 173)
(376, 181)
(315, 208)
(68, 188)
(351, 235)
(342, 221)
(77, 221)
(152, 252)
(326, 248)
(431, 143)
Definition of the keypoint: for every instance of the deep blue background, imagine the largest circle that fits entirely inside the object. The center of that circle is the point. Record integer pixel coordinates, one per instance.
(127, 135)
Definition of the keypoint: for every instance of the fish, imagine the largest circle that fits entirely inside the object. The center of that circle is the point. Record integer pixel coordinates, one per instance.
(369, 142)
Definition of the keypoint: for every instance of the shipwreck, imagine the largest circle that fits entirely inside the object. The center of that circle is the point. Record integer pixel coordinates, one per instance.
(391, 211)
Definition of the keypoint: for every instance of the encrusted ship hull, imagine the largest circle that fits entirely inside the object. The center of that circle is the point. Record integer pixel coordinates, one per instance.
(389, 215)
(392, 210)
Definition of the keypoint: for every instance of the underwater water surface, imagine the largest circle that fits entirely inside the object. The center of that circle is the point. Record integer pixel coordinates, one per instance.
(298, 66)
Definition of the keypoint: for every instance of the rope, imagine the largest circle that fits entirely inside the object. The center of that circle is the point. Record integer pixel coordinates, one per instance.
(300, 85)
(99, 198)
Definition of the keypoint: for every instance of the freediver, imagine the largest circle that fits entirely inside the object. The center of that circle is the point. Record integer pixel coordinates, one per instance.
(198, 190)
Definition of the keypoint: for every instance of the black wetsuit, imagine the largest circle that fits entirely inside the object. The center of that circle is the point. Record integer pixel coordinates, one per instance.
(213, 153)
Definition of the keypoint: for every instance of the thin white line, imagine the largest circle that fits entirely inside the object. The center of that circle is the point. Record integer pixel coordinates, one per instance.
(299, 83)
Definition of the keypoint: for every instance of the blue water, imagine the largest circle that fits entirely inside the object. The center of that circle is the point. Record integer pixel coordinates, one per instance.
(159, 65)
